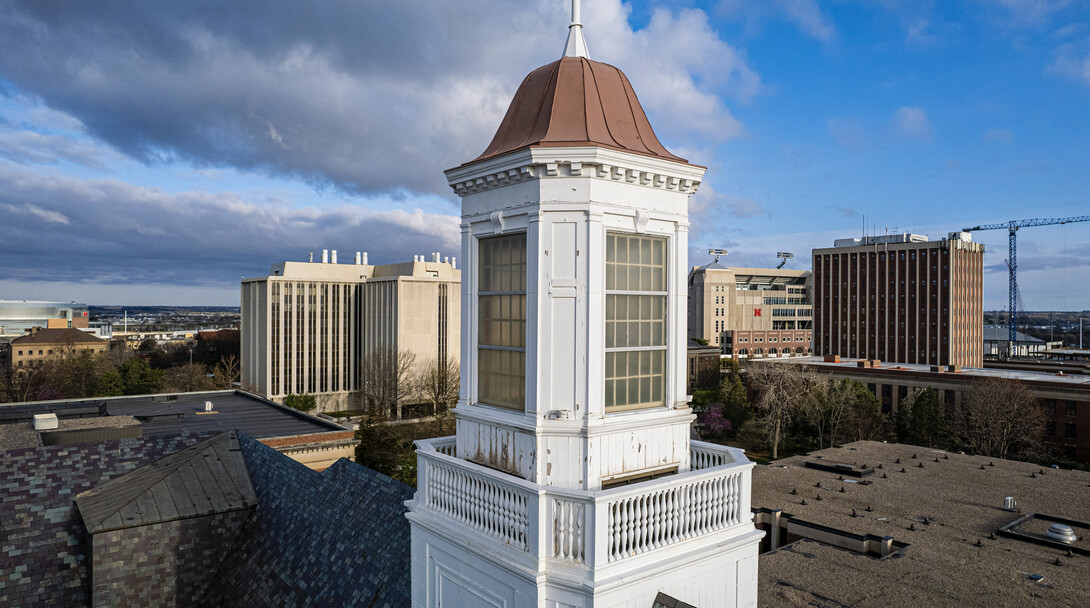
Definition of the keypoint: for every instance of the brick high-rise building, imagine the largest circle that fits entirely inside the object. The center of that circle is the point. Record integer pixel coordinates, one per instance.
(901, 298)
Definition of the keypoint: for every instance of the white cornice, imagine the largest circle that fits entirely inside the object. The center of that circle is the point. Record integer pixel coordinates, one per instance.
(583, 162)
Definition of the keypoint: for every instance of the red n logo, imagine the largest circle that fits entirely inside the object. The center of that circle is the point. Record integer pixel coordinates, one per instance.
(756, 312)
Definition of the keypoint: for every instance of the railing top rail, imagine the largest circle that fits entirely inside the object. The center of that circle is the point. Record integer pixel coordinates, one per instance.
(428, 449)
(515, 483)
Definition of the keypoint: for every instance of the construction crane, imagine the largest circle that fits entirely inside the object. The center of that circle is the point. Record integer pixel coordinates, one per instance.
(1012, 263)
(784, 256)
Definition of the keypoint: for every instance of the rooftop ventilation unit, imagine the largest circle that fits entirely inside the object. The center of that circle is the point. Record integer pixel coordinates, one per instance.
(1009, 504)
(208, 406)
(1062, 533)
(45, 422)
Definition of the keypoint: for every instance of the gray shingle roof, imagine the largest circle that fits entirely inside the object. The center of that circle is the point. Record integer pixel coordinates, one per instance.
(335, 538)
(202, 479)
(43, 553)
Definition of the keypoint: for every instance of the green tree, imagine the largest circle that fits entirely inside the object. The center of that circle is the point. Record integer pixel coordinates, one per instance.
(109, 384)
(735, 400)
(387, 448)
(303, 403)
(139, 378)
(921, 419)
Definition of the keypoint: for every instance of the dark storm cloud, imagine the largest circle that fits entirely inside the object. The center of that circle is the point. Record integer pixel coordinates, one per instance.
(55, 228)
(368, 96)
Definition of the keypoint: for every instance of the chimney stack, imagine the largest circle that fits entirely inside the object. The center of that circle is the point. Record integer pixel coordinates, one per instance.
(435, 257)
(358, 259)
(334, 258)
(325, 256)
(365, 258)
(453, 262)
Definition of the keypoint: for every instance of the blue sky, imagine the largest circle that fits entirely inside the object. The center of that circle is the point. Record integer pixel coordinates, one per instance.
(155, 153)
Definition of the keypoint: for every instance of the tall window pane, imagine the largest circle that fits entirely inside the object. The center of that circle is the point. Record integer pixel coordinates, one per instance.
(635, 321)
(501, 340)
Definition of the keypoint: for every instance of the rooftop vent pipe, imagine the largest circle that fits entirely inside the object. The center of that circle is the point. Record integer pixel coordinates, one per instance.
(325, 256)
(1062, 533)
(208, 406)
(453, 262)
(311, 259)
(333, 259)
(365, 257)
(358, 260)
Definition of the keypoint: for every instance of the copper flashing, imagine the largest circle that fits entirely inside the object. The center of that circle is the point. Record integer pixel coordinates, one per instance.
(576, 102)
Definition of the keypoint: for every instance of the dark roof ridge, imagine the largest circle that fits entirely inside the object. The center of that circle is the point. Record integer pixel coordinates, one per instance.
(182, 484)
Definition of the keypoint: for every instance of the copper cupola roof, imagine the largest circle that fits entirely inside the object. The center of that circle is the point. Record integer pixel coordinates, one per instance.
(575, 101)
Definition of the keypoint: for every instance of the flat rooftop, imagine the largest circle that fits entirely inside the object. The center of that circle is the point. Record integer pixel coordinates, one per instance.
(847, 364)
(941, 511)
(183, 412)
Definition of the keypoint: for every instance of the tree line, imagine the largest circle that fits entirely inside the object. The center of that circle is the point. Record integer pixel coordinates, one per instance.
(793, 409)
(73, 373)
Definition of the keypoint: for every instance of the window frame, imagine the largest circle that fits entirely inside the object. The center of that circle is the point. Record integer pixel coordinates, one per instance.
(482, 348)
(662, 350)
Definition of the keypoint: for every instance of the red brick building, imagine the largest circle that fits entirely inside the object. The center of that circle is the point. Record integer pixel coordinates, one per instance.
(901, 298)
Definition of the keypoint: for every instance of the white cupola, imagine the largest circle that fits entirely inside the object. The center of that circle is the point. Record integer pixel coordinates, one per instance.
(574, 241)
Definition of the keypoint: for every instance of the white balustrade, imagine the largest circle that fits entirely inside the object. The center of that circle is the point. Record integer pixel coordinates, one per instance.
(588, 527)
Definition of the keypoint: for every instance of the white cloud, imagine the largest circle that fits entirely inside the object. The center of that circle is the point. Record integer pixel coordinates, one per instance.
(47, 216)
(912, 124)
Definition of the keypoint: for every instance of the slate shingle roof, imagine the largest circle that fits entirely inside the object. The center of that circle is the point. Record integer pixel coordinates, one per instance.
(43, 555)
(202, 479)
(335, 538)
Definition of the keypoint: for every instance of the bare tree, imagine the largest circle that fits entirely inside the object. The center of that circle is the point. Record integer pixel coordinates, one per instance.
(227, 372)
(1000, 418)
(438, 383)
(386, 378)
(783, 391)
(188, 378)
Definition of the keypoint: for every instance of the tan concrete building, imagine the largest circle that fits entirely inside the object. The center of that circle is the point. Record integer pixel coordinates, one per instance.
(901, 298)
(42, 344)
(751, 312)
(306, 327)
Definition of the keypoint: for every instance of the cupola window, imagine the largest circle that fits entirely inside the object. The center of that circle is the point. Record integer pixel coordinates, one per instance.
(501, 345)
(635, 322)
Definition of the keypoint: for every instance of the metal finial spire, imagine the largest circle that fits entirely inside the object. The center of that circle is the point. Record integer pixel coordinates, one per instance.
(576, 46)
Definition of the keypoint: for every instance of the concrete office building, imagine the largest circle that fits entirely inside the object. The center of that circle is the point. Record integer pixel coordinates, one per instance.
(17, 316)
(751, 312)
(901, 298)
(308, 325)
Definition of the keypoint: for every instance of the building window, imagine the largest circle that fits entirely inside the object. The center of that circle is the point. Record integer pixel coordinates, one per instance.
(501, 340)
(1069, 430)
(635, 322)
(1050, 406)
(1070, 408)
(1050, 428)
